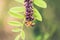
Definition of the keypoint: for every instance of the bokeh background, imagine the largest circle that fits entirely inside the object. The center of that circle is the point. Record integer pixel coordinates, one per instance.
(48, 29)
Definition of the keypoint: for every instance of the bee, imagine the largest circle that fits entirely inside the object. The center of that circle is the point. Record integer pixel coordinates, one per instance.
(29, 23)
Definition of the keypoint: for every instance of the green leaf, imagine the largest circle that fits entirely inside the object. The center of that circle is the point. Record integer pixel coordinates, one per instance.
(17, 9)
(16, 30)
(16, 15)
(39, 37)
(17, 37)
(15, 23)
(37, 15)
(20, 1)
(22, 34)
(40, 3)
(46, 36)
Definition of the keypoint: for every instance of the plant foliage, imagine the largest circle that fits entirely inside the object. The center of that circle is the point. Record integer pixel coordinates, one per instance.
(17, 13)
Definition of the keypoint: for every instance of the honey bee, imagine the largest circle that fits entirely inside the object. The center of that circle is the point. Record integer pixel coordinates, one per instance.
(29, 23)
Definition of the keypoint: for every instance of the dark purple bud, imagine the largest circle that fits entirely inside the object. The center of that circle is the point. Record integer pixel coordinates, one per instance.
(26, 0)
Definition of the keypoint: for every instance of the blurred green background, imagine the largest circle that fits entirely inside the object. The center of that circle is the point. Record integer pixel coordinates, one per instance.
(48, 29)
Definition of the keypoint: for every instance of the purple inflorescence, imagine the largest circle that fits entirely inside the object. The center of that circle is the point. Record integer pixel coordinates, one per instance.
(29, 10)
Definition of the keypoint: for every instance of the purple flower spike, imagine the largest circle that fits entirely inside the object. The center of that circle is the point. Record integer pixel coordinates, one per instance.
(29, 11)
